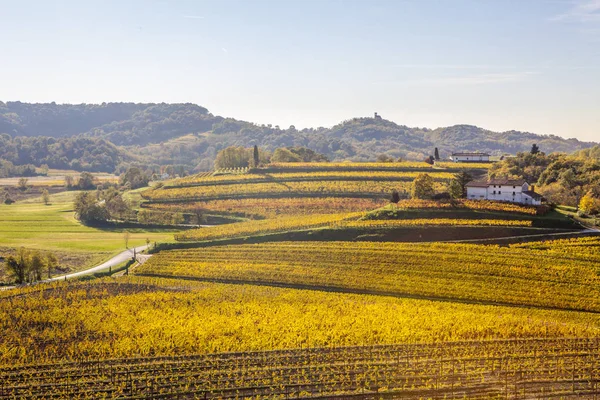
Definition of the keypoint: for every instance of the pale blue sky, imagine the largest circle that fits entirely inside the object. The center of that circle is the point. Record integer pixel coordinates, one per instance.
(501, 64)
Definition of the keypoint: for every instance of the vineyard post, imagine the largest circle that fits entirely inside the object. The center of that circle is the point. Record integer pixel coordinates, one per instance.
(573, 376)
(453, 376)
(506, 379)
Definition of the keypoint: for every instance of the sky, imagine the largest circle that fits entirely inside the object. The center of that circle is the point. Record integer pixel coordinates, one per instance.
(530, 65)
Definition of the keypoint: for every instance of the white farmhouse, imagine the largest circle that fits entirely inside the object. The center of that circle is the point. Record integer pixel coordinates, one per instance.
(512, 190)
(470, 157)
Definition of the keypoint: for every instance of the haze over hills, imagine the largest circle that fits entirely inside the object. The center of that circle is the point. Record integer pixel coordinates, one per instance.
(188, 134)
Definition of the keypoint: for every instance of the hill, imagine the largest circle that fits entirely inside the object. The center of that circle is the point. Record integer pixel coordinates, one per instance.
(140, 127)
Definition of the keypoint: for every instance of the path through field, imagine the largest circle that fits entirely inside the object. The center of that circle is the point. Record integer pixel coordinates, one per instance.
(116, 260)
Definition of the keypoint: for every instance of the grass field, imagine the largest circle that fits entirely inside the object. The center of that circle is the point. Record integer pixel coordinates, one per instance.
(56, 177)
(33, 225)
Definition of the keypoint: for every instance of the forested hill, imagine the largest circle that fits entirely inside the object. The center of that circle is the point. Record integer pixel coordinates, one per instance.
(120, 123)
(188, 134)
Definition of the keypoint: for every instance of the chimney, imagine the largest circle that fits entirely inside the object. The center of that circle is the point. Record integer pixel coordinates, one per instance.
(532, 188)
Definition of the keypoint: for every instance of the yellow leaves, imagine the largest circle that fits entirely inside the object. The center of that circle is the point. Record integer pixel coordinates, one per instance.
(276, 207)
(589, 204)
(264, 226)
(433, 222)
(481, 205)
(557, 278)
(238, 190)
(173, 317)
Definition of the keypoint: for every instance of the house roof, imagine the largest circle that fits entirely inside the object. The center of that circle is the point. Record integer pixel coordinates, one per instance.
(497, 181)
(477, 184)
(507, 182)
(470, 154)
(533, 195)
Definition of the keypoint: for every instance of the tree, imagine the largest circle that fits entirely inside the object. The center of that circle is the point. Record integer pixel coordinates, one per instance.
(135, 177)
(86, 181)
(534, 149)
(429, 160)
(285, 155)
(117, 207)
(68, 181)
(232, 157)
(16, 269)
(308, 155)
(384, 158)
(422, 187)
(36, 266)
(51, 263)
(46, 196)
(23, 183)
(588, 204)
(455, 189)
(126, 238)
(88, 209)
(436, 154)
(199, 218)
(461, 179)
(256, 156)
(395, 197)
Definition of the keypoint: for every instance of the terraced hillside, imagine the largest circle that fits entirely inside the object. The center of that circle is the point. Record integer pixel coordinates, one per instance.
(294, 188)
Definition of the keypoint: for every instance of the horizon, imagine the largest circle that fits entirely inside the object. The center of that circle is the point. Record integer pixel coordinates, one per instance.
(595, 142)
(525, 66)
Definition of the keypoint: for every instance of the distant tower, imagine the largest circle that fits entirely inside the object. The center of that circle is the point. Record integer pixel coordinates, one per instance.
(377, 116)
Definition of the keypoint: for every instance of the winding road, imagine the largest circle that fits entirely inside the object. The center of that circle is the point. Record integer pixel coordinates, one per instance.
(116, 260)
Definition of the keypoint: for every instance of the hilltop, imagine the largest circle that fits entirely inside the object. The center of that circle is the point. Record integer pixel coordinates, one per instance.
(189, 134)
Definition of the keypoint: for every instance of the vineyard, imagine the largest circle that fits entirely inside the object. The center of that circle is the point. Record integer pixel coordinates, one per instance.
(148, 317)
(267, 226)
(349, 166)
(479, 205)
(364, 188)
(339, 221)
(319, 290)
(298, 206)
(506, 369)
(350, 180)
(400, 176)
(271, 208)
(517, 275)
(431, 222)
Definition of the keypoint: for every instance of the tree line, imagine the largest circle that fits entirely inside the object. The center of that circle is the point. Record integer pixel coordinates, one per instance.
(28, 266)
(241, 157)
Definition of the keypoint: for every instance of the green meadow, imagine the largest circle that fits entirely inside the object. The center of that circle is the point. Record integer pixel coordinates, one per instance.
(53, 227)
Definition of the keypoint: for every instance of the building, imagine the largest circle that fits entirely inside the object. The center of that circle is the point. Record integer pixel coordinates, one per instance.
(511, 190)
(470, 157)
